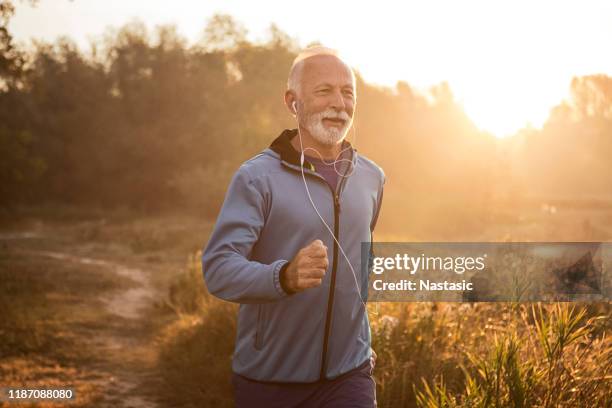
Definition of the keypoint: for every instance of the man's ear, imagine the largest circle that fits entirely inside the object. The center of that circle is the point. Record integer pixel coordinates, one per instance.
(291, 102)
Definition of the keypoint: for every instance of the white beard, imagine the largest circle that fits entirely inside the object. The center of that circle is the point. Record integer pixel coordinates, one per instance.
(328, 136)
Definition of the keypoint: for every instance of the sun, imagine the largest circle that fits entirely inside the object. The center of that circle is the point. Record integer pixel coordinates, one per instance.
(503, 107)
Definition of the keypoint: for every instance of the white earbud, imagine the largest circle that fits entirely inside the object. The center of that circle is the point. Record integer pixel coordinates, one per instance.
(294, 106)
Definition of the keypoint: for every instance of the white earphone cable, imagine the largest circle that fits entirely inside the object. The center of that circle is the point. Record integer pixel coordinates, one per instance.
(319, 214)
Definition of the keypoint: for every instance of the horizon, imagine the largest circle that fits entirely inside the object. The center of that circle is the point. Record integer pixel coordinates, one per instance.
(494, 84)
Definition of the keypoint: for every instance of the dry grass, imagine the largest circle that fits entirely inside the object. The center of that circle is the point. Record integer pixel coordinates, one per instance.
(508, 355)
(429, 354)
(195, 357)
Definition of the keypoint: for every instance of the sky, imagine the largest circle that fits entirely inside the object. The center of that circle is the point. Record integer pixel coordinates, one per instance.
(507, 62)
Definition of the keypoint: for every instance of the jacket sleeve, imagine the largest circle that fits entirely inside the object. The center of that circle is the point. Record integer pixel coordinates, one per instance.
(228, 271)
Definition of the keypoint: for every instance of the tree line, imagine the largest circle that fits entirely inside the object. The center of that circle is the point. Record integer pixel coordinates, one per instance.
(147, 121)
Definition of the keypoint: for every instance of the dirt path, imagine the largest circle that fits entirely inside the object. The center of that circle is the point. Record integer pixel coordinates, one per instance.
(129, 303)
(123, 371)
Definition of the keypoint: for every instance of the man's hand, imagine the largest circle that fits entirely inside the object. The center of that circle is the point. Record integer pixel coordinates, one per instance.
(307, 268)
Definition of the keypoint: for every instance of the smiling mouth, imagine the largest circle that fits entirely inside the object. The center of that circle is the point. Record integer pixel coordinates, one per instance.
(334, 121)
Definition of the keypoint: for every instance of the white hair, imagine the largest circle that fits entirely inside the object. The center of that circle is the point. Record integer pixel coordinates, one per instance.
(294, 81)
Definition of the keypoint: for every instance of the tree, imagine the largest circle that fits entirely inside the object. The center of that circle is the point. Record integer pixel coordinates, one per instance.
(20, 167)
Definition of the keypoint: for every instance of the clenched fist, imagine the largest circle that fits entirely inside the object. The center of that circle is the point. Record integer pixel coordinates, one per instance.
(307, 268)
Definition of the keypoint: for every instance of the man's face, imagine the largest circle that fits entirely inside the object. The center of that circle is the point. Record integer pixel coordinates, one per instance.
(327, 97)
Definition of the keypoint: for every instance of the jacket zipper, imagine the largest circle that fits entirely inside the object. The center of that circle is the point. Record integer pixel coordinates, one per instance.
(332, 284)
(332, 287)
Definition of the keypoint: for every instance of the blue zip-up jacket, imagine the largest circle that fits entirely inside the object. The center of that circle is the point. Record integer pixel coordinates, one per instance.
(266, 218)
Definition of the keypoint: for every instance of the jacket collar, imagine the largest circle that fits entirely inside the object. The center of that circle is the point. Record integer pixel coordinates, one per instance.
(282, 146)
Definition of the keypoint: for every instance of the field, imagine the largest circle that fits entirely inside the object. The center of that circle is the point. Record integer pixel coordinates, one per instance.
(114, 306)
(116, 154)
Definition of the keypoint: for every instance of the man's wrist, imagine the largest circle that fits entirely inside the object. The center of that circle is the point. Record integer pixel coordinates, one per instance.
(283, 279)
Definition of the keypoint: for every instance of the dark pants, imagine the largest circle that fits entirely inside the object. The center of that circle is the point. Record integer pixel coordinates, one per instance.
(355, 389)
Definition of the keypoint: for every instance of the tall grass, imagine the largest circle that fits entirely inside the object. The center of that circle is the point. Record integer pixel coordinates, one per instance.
(196, 350)
(548, 356)
(429, 354)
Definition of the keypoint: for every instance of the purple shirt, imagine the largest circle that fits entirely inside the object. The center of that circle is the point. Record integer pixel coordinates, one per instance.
(329, 173)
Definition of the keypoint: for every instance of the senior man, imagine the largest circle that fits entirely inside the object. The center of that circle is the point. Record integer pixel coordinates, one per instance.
(287, 246)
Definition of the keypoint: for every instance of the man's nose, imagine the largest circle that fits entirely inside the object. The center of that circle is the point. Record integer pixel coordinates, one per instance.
(337, 101)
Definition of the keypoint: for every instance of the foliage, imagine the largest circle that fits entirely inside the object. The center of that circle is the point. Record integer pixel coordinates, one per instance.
(147, 121)
(550, 356)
